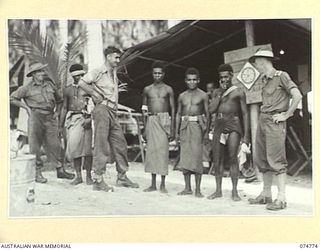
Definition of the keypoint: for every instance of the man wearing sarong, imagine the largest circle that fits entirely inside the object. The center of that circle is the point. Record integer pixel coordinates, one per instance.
(77, 121)
(276, 108)
(42, 100)
(102, 86)
(192, 124)
(158, 101)
(229, 102)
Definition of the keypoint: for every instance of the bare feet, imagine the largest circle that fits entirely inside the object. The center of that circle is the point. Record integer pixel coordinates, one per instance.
(199, 195)
(215, 195)
(76, 181)
(235, 196)
(150, 189)
(163, 190)
(185, 192)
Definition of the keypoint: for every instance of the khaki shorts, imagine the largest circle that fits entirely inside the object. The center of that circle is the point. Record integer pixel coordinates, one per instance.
(270, 153)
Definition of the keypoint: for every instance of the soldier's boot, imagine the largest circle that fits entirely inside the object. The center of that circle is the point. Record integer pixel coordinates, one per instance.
(266, 196)
(260, 199)
(62, 174)
(280, 202)
(100, 185)
(39, 177)
(123, 180)
(277, 205)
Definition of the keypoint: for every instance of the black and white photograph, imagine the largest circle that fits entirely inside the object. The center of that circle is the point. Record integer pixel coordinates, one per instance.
(127, 118)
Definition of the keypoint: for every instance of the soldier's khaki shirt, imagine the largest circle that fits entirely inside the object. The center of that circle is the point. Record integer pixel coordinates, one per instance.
(276, 91)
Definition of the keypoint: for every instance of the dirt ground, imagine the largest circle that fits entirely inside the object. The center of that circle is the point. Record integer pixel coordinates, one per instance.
(58, 198)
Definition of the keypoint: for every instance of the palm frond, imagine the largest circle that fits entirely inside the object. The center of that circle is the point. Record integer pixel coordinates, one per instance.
(28, 41)
(52, 59)
(70, 53)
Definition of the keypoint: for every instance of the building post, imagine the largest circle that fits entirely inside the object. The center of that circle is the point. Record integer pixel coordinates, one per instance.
(253, 108)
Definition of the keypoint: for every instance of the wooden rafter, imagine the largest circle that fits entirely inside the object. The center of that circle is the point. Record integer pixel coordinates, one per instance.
(198, 50)
(161, 42)
(208, 31)
(154, 59)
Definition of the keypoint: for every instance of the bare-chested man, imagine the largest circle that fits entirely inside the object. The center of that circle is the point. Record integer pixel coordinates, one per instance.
(228, 103)
(192, 129)
(158, 101)
(78, 126)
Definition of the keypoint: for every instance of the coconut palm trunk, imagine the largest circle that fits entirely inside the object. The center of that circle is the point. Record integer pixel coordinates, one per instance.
(63, 28)
(95, 44)
(43, 27)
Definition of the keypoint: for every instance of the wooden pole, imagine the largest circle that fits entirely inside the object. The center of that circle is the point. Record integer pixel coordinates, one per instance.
(253, 108)
(306, 126)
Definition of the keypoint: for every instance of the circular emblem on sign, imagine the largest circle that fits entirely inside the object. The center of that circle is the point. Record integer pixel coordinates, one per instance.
(248, 75)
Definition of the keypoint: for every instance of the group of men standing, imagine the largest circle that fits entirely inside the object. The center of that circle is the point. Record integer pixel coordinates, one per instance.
(231, 129)
(189, 125)
(192, 123)
(45, 105)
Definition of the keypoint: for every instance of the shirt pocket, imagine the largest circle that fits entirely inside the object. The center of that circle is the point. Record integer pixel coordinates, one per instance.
(272, 87)
(271, 94)
(270, 90)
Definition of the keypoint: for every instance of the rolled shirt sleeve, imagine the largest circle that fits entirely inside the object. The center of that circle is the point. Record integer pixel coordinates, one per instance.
(100, 84)
(286, 82)
(87, 83)
(20, 93)
(90, 77)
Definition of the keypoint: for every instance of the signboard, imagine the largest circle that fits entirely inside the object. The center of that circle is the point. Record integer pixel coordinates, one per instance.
(254, 97)
(248, 75)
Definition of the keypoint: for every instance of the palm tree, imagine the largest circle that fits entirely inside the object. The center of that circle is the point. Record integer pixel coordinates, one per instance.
(28, 41)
